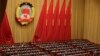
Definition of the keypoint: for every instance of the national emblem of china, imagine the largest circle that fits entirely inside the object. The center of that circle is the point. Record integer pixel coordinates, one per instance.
(25, 13)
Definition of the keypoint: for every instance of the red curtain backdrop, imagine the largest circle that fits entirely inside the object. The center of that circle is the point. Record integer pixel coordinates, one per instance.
(55, 32)
(49, 22)
(5, 32)
(62, 17)
(54, 27)
(40, 33)
(67, 22)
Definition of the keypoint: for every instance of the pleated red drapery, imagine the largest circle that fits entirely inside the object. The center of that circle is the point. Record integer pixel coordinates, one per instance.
(40, 32)
(54, 26)
(67, 21)
(50, 22)
(5, 31)
(62, 17)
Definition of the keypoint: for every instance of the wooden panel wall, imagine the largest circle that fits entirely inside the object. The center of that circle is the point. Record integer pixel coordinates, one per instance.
(77, 20)
(92, 20)
(21, 33)
(86, 20)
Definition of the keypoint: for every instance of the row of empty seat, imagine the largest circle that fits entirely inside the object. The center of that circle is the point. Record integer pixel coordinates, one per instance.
(75, 47)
